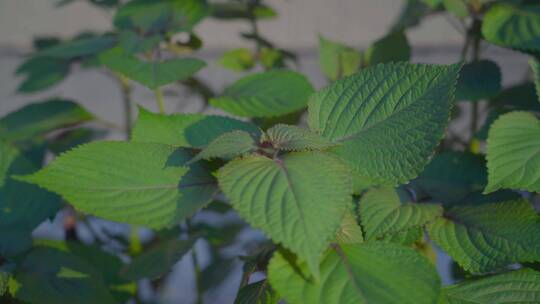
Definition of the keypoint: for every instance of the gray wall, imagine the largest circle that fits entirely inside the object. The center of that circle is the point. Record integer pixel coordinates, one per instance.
(355, 21)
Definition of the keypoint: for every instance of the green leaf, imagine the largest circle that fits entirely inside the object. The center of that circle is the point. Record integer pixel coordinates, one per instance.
(157, 261)
(513, 26)
(216, 273)
(51, 276)
(520, 286)
(228, 145)
(271, 58)
(485, 236)
(22, 206)
(411, 14)
(134, 43)
(98, 3)
(513, 153)
(42, 73)
(391, 48)
(239, 10)
(266, 123)
(521, 97)
(4, 278)
(349, 232)
(238, 60)
(185, 130)
(407, 237)
(102, 179)
(388, 118)
(457, 7)
(256, 293)
(478, 80)
(337, 60)
(69, 139)
(80, 47)
(451, 176)
(152, 74)
(40, 118)
(292, 138)
(14, 241)
(160, 15)
(107, 264)
(364, 273)
(432, 3)
(299, 200)
(265, 94)
(382, 214)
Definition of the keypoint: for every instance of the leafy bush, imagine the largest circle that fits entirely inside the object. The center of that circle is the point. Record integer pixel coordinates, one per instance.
(352, 184)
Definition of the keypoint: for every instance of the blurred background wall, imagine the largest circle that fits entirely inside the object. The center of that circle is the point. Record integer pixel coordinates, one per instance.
(355, 22)
(358, 22)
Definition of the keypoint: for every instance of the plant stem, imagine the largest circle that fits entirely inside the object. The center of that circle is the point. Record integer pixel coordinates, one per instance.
(252, 5)
(159, 100)
(197, 275)
(126, 101)
(476, 38)
(196, 267)
(202, 89)
(465, 48)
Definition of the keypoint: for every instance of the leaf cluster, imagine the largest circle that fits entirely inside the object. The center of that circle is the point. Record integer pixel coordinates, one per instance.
(356, 186)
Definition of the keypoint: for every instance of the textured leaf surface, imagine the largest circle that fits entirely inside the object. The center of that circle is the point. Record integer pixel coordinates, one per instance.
(138, 183)
(513, 26)
(478, 80)
(157, 261)
(388, 118)
(40, 118)
(382, 214)
(292, 138)
(265, 94)
(152, 74)
(364, 273)
(513, 153)
(337, 60)
(483, 236)
(407, 237)
(349, 232)
(228, 145)
(197, 188)
(256, 293)
(298, 201)
(451, 176)
(521, 286)
(51, 276)
(185, 130)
